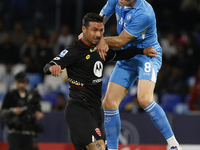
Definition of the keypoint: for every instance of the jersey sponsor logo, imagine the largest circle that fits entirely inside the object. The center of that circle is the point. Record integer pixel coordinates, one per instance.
(97, 80)
(121, 21)
(56, 58)
(72, 81)
(87, 57)
(63, 53)
(118, 6)
(98, 131)
(125, 25)
(98, 69)
(117, 16)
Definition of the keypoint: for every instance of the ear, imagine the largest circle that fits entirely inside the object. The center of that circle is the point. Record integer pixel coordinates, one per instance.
(84, 29)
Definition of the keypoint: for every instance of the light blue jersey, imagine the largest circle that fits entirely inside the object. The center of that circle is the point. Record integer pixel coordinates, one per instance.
(140, 22)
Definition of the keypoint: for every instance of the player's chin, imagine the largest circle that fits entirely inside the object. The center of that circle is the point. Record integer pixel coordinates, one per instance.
(95, 42)
(122, 4)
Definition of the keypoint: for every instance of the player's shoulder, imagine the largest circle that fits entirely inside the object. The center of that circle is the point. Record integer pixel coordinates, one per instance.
(71, 48)
(145, 8)
(144, 12)
(70, 51)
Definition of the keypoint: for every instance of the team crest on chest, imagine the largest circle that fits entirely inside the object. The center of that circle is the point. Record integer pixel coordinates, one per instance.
(128, 17)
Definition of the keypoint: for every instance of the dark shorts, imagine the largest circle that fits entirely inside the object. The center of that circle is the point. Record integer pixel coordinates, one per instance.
(84, 123)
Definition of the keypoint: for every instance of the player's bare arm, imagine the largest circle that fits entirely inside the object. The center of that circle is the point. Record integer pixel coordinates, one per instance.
(102, 47)
(119, 41)
(114, 41)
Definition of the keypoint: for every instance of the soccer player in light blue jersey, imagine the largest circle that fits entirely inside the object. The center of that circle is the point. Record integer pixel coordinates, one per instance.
(136, 26)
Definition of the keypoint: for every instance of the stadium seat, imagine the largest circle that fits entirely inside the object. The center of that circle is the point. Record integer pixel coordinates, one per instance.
(63, 88)
(46, 106)
(108, 69)
(43, 89)
(50, 97)
(3, 87)
(17, 68)
(2, 95)
(2, 70)
(34, 79)
(53, 82)
(181, 108)
(169, 101)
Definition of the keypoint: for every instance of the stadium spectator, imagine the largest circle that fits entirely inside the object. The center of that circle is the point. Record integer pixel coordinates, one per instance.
(2, 31)
(60, 103)
(53, 43)
(194, 101)
(65, 38)
(9, 52)
(19, 35)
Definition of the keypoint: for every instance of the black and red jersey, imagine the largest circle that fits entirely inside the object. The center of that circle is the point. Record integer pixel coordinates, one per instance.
(85, 70)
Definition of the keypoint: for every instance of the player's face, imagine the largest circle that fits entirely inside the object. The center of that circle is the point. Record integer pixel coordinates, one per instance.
(127, 2)
(94, 32)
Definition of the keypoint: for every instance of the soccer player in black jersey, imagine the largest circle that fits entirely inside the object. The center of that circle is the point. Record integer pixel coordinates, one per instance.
(85, 69)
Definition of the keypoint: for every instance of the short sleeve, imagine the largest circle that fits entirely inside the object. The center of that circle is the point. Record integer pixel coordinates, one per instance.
(109, 8)
(138, 24)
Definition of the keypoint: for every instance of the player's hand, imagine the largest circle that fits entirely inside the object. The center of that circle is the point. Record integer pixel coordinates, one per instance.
(102, 48)
(80, 36)
(150, 51)
(55, 70)
(39, 115)
(17, 110)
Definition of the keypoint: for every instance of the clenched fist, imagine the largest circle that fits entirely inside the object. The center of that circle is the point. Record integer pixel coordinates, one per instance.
(55, 70)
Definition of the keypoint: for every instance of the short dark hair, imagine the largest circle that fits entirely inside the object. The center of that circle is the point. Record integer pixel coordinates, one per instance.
(91, 17)
(21, 77)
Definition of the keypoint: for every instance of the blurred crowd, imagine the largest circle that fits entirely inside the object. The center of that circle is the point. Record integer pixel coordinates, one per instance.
(30, 52)
(29, 49)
